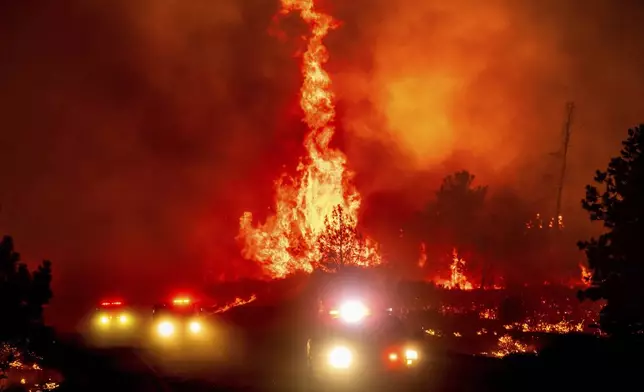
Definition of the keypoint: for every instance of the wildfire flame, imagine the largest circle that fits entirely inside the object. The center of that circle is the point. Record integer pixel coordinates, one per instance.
(422, 259)
(586, 275)
(237, 302)
(507, 346)
(457, 280)
(287, 241)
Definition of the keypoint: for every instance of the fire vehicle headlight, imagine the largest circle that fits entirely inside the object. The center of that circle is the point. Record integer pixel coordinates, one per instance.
(340, 357)
(124, 319)
(165, 329)
(411, 355)
(353, 311)
(195, 327)
(103, 320)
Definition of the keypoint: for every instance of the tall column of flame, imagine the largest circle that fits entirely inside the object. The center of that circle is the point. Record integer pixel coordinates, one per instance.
(287, 241)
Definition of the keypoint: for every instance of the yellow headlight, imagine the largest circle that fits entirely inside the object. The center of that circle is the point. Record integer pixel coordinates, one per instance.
(123, 319)
(340, 357)
(165, 329)
(195, 327)
(104, 320)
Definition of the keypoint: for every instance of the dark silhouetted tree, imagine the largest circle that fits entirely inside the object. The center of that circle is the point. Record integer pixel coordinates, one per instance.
(458, 208)
(454, 218)
(512, 310)
(616, 257)
(458, 196)
(342, 246)
(505, 243)
(22, 294)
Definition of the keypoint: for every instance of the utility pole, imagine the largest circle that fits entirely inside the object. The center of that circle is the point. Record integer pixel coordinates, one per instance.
(570, 107)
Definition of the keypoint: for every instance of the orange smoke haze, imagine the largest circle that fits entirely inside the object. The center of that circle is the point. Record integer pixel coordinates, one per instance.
(482, 86)
(134, 134)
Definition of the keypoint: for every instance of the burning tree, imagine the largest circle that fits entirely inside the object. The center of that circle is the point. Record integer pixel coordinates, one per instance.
(286, 242)
(616, 258)
(458, 280)
(341, 245)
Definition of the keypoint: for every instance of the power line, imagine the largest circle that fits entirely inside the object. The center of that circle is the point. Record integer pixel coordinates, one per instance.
(570, 107)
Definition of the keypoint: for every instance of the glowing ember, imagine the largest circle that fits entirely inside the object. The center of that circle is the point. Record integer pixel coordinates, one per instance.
(538, 223)
(457, 280)
(560, 222)
(22, 369)
(237, 302)
(287, 241)
(561, 327)
(433, 332)
(488, 314)
(507, 346)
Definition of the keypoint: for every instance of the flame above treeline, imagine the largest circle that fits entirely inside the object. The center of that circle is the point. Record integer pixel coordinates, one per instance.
(288, 240)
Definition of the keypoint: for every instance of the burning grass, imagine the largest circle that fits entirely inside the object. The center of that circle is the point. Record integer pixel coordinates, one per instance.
(24, 368)
(494, 322)
(500, 322)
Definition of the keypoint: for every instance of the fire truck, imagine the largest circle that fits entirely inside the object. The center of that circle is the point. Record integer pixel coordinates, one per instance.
(355, 336)
(179, 322)
(112, 322)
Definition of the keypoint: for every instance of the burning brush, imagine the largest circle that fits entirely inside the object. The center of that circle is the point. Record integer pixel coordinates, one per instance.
(19, 367)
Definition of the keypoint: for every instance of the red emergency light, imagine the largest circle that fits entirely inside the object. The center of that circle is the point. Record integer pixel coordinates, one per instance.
(114, 303)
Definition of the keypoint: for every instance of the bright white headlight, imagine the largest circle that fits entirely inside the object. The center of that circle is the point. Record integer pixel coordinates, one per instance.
(195, 327)
(411, 354)
(340, 357)
(165, 329)
(353, 311)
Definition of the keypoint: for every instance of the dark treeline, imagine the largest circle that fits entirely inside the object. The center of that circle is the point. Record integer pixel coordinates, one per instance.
(496, 232)
(23, 294)
(504, 242)
(616, 257)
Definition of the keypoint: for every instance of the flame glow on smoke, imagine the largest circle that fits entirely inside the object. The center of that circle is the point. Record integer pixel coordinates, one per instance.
(287, 241)
(422, 258)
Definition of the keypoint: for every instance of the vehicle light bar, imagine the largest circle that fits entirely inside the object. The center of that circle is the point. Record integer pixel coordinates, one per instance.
(350, 312)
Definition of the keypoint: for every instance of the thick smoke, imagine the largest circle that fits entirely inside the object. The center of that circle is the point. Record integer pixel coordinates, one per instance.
(134, 133)
(487, 82)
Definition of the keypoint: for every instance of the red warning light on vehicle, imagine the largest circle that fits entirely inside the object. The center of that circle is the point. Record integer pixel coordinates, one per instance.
(111, 303)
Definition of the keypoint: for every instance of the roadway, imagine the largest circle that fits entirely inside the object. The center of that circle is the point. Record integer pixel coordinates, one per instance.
(269, 366)
(258, 357)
